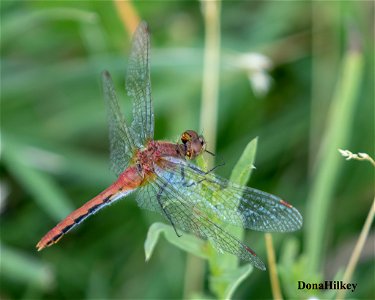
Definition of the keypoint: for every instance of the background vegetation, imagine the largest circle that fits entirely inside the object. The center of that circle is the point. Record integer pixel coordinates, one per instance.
(55, 148)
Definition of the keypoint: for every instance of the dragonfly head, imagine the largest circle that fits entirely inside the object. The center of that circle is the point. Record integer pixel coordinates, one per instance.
(194, 144)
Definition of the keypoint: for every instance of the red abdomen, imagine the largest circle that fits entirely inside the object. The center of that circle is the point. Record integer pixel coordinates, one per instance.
(127, 182)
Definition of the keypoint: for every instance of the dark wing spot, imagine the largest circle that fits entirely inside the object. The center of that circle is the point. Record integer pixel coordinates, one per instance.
(251, 251)
(285, 204)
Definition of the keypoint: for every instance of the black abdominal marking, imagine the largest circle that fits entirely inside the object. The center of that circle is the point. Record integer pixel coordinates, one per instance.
(67, 228)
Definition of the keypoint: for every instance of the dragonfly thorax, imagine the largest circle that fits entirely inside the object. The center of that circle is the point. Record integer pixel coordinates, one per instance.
(192, 146)
(145, 158)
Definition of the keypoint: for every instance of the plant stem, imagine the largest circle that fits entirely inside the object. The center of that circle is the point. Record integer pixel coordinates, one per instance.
(129, 16)
(357, 250)
(211, 65)
(208, 119)
(275, 284)
(194, 273)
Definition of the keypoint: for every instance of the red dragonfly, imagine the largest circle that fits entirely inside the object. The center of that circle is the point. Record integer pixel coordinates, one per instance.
(165, 179)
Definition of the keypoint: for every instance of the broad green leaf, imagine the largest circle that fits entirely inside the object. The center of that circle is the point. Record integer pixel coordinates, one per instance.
(186, 242)
(230, 280)
(202, 162)
(242, 170)
(222, 265)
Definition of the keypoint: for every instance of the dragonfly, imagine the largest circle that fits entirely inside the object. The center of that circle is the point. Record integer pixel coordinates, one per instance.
(166, 180)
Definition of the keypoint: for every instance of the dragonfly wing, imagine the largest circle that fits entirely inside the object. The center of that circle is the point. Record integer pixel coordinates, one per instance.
(138, 84)
(122, 138)
(146, 195)
(232, 203)
(176, 206)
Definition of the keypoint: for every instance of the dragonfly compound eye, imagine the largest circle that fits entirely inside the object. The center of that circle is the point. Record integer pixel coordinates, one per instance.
(185, 137)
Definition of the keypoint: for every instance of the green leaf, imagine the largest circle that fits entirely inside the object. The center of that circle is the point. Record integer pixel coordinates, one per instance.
(242, 170)
(186, 242)
(229, 281)
(222, 265)
(202, 162)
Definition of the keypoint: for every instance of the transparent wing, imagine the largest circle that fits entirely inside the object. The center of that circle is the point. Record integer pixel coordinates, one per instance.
(138, 84)
(231, 203)
(146, 195)
(121, 137)
(183, 214)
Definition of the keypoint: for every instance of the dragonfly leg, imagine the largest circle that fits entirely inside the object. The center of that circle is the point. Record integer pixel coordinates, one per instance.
(209, 171)
(203, 173)
(215, 167)
(158, 197)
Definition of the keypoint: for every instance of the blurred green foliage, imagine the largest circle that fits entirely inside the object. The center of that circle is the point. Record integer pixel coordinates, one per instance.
(55, 148)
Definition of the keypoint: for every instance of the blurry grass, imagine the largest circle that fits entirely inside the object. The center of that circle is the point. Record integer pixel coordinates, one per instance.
(208, 112)
(25, 269)
(337, 133)
(18, 23)
(50, 198)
